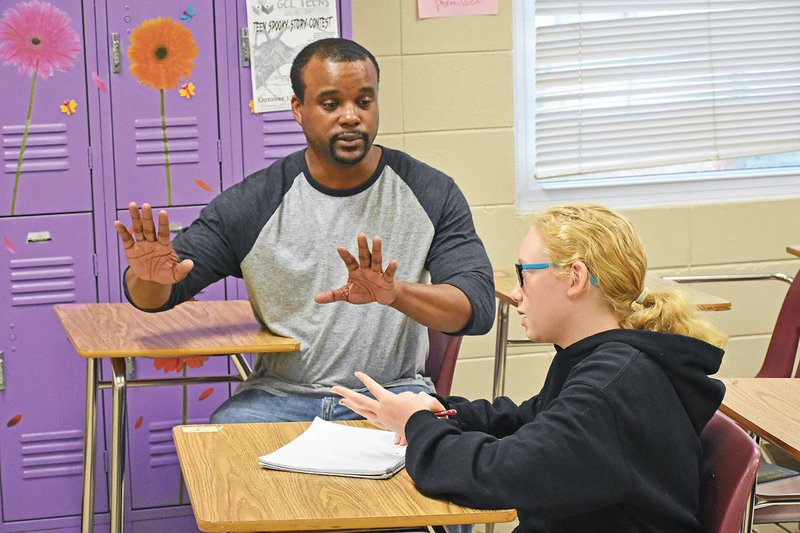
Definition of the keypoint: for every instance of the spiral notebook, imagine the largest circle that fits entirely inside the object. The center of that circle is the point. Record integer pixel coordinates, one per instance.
(333, 449)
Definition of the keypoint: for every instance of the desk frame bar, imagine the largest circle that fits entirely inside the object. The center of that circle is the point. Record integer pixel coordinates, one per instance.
(118, 422)
(89, 446)
(119, 385)
(501, 350)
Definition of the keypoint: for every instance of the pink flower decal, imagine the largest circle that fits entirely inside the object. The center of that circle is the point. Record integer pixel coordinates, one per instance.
(37, 37)
(69, 107)
(9, 245)
(98, 81)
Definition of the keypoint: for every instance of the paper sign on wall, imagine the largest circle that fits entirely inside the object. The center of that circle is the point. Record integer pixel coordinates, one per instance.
(277, 31)
(455, 8)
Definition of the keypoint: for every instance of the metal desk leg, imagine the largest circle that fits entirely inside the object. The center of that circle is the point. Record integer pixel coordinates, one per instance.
(500, 351)
(89, 446)
(118, 411)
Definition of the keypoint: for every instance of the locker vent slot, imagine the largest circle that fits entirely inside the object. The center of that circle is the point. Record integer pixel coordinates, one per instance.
(281, 137)
(52, 454)
(42, 281)
(182, 135)
(46, 149)
(161, 447)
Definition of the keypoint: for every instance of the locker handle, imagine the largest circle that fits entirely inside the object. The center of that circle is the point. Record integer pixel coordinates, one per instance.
(116, 54)
(244, 48)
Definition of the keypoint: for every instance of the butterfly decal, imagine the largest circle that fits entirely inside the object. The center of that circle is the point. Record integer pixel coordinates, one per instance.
(188, 14)
(69, 107)
(187, 90)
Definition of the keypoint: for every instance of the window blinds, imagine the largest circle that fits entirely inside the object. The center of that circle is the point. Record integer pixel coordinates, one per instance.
(647, 83)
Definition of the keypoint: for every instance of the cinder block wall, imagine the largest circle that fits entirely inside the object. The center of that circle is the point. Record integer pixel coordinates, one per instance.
(447, 98)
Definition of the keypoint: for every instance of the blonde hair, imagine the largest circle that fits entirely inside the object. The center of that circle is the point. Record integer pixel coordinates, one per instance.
(608, 245)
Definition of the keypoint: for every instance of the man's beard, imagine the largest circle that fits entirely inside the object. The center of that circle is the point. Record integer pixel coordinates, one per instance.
(354, 157)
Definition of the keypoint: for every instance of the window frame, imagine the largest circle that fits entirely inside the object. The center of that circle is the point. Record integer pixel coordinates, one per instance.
(637, 191)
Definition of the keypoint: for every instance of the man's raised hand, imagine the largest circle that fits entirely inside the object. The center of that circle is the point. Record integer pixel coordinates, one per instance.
(366, 280)
(149, 250)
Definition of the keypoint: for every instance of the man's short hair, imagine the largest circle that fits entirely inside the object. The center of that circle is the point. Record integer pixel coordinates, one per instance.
(334, 49)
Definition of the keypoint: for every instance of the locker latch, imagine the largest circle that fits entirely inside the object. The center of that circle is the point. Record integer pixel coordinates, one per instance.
(244, 48)
(116, 54)
(2, 370)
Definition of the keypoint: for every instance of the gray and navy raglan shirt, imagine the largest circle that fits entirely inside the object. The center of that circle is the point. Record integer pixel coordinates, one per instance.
(279, 229)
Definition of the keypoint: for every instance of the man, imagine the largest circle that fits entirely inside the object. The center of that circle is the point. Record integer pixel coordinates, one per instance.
(278, 228)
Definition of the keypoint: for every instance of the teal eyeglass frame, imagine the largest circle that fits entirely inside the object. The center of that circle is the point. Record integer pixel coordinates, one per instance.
(541, 266)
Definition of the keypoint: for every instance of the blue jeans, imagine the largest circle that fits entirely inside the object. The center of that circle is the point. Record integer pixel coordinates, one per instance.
(255, 405)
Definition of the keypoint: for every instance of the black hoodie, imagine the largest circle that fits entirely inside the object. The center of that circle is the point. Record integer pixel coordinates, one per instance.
(610, 444)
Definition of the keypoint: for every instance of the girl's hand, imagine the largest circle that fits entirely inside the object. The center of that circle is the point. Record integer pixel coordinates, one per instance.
(388, 410)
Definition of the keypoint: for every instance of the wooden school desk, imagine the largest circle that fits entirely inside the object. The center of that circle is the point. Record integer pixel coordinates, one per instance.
(119, 330)
(504, 282)
(229, 491)
(769, 408)
(794, 249)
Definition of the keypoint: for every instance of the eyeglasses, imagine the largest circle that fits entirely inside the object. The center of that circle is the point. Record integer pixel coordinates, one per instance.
(541, 266)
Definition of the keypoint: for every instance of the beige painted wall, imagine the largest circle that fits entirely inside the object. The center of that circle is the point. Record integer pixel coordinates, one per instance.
(447, 98)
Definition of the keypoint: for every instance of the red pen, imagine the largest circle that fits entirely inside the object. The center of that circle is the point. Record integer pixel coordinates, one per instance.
(446, 412)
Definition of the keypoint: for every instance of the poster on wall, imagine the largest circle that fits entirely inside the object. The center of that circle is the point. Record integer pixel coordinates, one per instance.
(278, 30)
(455, 8)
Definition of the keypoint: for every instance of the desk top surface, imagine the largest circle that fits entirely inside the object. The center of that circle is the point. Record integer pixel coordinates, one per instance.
(794, 249)
(192, 328)
(231, 492)
(769, 407)
(505, 280)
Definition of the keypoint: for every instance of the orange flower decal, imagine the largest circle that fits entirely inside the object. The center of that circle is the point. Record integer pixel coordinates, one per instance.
(138, 423)
(13, 421)
(203, 185)
(205, 394)
(176, 364)
(187, 90)
(162, 52)
(69, 107)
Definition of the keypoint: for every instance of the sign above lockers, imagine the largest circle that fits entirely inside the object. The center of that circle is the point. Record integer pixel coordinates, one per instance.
(278, 30)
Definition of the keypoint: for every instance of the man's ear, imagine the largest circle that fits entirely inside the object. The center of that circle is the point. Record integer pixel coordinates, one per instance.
(579, 279)
(297, 107)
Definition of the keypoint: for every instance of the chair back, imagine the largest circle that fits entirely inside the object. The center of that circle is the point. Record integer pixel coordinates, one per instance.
(782, 351)
(441, 363)
(730, 464)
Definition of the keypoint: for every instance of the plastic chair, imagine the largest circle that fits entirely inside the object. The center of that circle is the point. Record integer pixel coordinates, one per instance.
(778, 500)
(730, 464)
(441, 363)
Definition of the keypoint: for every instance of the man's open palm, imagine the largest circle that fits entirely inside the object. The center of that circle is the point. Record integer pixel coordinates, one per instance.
(149, 251)
(367, 282)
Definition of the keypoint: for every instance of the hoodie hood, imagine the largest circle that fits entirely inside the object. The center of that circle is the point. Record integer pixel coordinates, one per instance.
(688, 362)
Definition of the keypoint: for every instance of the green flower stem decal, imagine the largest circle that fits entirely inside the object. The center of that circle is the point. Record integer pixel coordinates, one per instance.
(166, 150)
(24, 143)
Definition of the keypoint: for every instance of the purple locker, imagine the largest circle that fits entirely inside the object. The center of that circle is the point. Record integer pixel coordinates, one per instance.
(191, 122)
(55, 163)
(266, 137)
(152, 412)
(46, 260)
